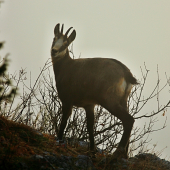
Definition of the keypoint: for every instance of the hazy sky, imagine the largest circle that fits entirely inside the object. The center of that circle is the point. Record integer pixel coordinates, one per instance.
(131, 31)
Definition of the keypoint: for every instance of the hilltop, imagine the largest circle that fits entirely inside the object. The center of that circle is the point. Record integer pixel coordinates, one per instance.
(24, 148)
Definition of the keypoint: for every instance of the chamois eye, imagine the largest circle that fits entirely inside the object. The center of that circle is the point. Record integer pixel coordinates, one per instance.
(54, 51)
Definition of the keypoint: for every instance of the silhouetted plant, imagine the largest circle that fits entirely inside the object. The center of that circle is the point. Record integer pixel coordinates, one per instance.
(7, 91)
(41, 108)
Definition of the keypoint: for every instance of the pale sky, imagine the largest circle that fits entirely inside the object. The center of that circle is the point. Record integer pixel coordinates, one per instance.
(131, 31)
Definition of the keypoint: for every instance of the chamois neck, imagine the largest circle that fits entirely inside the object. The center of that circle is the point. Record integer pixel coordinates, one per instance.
(60, 66)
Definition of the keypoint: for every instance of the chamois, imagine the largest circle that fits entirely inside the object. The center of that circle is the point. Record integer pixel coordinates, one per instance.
(87, 82)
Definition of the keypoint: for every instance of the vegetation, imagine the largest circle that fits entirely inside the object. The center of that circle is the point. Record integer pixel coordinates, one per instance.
(40, 108)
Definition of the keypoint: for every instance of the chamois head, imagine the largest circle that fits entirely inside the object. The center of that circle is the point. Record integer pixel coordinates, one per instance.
(61, 42)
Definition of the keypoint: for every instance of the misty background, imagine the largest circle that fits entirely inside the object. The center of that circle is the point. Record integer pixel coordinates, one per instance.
(133, 32)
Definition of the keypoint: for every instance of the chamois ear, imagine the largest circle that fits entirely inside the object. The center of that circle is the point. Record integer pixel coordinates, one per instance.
(71, 37)
(56, 29)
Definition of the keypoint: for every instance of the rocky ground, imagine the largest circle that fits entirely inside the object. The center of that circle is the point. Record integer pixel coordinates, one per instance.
(23, 148)
(50, 161)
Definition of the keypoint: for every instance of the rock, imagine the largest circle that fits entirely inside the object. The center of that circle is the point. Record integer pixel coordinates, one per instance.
(38, 157)
(154, 160)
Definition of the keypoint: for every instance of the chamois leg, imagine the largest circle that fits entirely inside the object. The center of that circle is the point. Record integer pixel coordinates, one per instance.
(90, 123)
(124, 105)
(66, 113)
(126, 149)
(127, 121)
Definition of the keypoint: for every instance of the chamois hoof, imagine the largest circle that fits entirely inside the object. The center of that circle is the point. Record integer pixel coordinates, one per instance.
(61, 143)
(120, 153)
